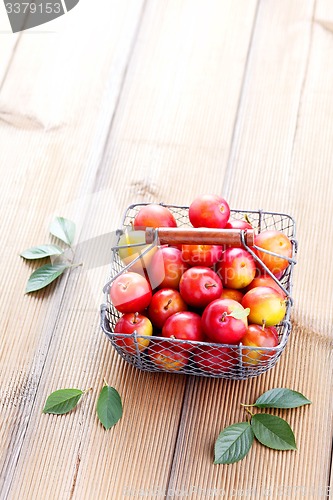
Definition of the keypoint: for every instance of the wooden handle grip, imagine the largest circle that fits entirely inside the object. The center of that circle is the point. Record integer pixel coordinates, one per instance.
(199, 236)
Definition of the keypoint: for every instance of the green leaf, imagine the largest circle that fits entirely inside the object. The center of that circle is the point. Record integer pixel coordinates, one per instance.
(109, 407)
(41, 251)
(273, 432)
(233, 443)
(64, 229)
(44, 275)
(62, 401)
(240, 313)
(281, 398)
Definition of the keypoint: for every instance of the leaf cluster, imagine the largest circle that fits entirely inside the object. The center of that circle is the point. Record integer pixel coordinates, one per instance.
(64, 230)
(109, 406)
(235, 441)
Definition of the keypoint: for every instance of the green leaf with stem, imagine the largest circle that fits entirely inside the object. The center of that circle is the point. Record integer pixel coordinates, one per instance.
(273, 432)
(62, 401)
(233, 443)
(109, 406)
(41, 251)
(44, 275)
(64, 229)
(281, 398)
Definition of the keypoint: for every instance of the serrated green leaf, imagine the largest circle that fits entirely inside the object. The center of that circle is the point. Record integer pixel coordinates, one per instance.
(41, 251)
(273, 432)
(281, 398)
(64, 229)
(44, 275)
(233, 443)
(240, 313)
(109, 407)
(62, 401)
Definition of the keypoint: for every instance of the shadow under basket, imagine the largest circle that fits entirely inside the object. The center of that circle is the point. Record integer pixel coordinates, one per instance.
(208, 359)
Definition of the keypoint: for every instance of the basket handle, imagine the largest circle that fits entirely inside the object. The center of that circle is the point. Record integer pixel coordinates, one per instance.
(201, 235)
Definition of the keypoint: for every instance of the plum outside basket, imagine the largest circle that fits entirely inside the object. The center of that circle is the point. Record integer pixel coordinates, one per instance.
(234, 360)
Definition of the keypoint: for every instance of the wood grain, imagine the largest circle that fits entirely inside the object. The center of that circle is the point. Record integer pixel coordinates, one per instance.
(182, 95)
(7, 51)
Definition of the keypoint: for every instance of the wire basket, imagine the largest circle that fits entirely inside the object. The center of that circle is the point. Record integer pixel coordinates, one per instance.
(208, 359)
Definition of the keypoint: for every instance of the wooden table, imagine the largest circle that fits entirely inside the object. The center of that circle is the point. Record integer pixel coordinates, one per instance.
(124, 101)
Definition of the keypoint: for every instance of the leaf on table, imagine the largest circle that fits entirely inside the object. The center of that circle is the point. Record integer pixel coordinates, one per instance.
(44, 275)
(273, 432)
(62, 401)
(64, 229)
(281, 398)
(233, 443)
(41, 251)
(109, 407)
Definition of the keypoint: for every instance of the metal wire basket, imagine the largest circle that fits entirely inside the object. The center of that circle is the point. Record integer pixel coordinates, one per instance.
(235, 362)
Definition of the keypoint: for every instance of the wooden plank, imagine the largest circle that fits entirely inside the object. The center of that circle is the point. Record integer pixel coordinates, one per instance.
(279, 160)
(8, 44)
(60, 114)
(265, 129)
(7, 50)
(175, 94)
(311, 175)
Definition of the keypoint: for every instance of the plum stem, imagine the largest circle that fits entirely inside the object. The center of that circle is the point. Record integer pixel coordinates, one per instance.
(167, 304)
(210, 285)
